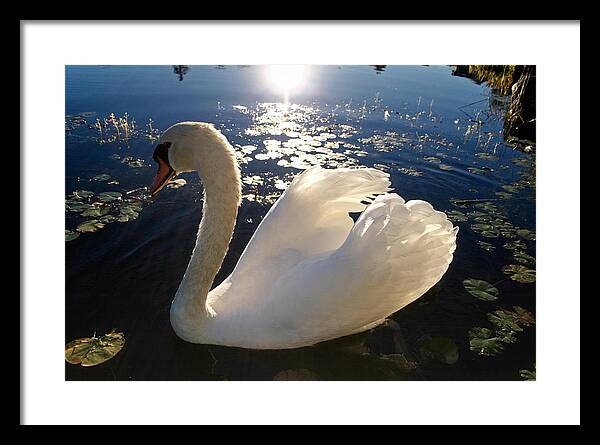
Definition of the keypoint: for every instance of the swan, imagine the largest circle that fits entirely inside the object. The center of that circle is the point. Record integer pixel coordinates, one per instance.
(309, 273)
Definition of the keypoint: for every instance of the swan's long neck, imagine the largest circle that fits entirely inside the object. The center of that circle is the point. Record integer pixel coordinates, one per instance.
(220, 177)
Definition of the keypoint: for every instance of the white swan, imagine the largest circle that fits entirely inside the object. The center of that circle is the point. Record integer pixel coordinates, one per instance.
(309, 273)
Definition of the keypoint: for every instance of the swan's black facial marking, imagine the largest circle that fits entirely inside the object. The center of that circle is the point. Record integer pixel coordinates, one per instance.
(165, 171)
(161, 152)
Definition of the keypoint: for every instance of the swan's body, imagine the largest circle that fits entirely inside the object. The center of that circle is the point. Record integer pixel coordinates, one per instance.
(309, 273)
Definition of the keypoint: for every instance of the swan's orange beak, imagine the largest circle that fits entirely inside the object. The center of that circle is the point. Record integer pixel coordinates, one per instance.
(165, 171)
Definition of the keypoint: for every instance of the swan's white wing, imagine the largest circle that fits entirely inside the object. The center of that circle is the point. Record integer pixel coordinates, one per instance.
(395, 252)
(311, 217)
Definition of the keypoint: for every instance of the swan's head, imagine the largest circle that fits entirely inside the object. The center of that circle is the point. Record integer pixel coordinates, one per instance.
(191, 146)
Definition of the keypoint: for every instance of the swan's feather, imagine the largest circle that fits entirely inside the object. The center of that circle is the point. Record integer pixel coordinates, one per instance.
(310, 274)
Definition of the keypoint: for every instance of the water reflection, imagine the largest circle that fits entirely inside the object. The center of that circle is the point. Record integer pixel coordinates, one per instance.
(287, 79)
(180, 70)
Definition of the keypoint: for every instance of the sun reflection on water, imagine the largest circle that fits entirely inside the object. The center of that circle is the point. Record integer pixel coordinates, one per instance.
(287, 79)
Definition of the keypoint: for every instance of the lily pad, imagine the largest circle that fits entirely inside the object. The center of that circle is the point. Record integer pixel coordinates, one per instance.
(96, 210)
(445, 167)
(487, 156)
(81, 194)
(456, 215)
(70, 235)
(90, 226)
(527, 234)
(505, 320)
(504, 195)
(101, 177)
(482, 342)
(481, 289)
(523, 258)
(109, 196)
(296, 374)
(95, 350)
(76, 206)
(442, 349)
(486, 246)
(519, 273)
(527, 374)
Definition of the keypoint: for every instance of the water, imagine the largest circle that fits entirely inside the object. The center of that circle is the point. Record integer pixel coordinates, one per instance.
(427, 128)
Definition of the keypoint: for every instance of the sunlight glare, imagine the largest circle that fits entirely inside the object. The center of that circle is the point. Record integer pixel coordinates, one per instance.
(287, 79)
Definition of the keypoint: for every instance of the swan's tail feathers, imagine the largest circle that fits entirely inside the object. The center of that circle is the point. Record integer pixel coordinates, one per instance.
(409, 244)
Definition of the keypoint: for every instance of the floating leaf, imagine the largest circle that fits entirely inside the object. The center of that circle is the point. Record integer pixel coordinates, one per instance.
(109, 196)
(504, 195)
(445, 167)
(481, 289)
(101, 177)
(296, 374)
(515, 245)
(486, 246)
(76, 206)
(81, 194)
(487, 156)
(456, 215)
(90, 226)
(70, 235)
(523, 316)
(432, 159)
(442, 349)
(481, 341)
(526, 374)
(96, 210)
(505, 320)
(527, 234)
(519, 273)
(95, 350)
(523, 258)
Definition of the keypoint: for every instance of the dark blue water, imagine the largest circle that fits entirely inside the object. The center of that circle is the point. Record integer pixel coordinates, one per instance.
(439, 136)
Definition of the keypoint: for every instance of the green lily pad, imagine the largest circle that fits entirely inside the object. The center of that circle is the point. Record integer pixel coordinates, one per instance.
(486, 246)
(527, 374)
(96, 210)
(95, 350)
(523, 316)
(527, 234)
(442, 349)
(128, 212)
(456, 215)
(487, 156)
(476, 170)
(109, 196)
(482, 342)
(76, 206)
(81, 194)
(296, 374)
(70, 235)
(505, 320)
(523, 258)
(432, 159)
(101, 177)
(511, 188)
(445, 167)
(481, 289)
(515, 245)
(519, 273)
(90, 226)
(504, 195)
